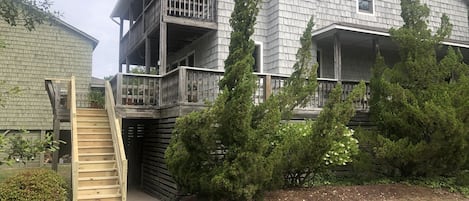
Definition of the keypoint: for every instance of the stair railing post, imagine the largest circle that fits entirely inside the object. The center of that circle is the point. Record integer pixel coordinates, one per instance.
(182, 84)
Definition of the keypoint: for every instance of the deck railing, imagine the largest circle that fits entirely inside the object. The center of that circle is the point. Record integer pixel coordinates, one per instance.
(189, 85)
(194, 9)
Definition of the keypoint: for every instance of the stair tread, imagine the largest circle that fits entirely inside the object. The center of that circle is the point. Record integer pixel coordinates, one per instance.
(100, 120)
(88, 127)
(97, 170)
(91, 162)
(98, 187)
(96, 154)
(110, 146)
(98, 196)
(97, 178)
(94, 140)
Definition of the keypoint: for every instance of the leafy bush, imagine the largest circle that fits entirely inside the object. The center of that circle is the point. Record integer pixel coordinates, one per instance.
(96, 98)
(306, 149)
(34, 185)
(462, 178)
(19, 148)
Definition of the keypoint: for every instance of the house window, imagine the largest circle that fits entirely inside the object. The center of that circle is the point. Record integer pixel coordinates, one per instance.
(258, 55)
(366, 6)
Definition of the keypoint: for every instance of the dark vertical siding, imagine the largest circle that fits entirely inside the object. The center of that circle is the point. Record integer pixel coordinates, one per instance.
(157, 180)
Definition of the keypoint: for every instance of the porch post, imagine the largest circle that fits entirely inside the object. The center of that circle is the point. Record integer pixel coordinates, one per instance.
(375, 47)
(147, 55)
(127, 64)
(314, 52)
(337, 58)
(163, 38)
(121, 34)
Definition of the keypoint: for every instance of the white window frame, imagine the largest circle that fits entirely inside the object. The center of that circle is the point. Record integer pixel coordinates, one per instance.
(373, 7)
(261, 55)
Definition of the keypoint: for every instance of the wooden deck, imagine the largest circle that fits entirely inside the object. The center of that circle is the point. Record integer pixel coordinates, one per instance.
(186, 89)
(199, 14)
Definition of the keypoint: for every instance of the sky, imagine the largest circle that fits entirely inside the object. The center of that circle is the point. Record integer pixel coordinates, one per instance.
(92, 17)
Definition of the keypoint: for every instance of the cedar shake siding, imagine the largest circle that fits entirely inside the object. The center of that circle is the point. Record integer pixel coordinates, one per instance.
(50, 51)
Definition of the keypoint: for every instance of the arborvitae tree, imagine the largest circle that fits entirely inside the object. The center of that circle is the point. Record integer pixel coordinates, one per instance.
(224, 151)
(420, 105)
(219, 152)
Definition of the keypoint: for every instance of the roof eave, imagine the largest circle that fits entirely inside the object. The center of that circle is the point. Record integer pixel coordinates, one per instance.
(93, 40)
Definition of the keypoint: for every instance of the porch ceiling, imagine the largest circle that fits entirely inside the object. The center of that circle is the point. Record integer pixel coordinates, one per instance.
(353, 38)
(354, 34)
(180, 36)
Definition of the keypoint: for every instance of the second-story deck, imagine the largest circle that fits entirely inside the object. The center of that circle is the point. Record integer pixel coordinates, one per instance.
(186, 89)
(186, 18)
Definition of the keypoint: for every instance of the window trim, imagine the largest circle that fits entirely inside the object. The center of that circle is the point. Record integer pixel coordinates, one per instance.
(261, 55)
(373, 8)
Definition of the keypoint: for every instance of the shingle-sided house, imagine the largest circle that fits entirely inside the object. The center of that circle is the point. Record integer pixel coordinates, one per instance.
(52, 50)
(186, 41)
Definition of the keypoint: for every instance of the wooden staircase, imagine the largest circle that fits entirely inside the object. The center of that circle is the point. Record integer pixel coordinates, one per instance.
(98, 178)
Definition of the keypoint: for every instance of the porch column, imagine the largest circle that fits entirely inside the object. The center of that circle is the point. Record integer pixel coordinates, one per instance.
(121, 34)
(337, 58)
(147, 55)
(163, 39)
(127, 65)
(375, 48)
(314, 52)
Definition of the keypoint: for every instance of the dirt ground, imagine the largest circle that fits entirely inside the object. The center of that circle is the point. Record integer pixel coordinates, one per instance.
(385, 192)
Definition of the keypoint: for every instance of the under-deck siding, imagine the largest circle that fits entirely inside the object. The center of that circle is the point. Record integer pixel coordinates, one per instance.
(157, 180)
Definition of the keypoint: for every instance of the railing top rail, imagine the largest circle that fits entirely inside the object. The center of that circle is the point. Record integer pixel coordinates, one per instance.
(222, 71)
(201, 69)
(139, 75)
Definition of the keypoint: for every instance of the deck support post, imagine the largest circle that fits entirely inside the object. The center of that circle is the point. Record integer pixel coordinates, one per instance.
(182, 85)
(337, 58)
(375, 48)
(147, 55)
(55, 154)
(121, 34)
(268, 87)
(163, 39)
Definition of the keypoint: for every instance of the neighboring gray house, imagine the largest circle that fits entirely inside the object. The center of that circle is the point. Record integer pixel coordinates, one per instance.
(173, 36)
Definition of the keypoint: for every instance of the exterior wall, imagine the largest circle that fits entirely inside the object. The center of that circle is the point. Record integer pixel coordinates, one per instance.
(281, 23)
(204, 51)
(30, 57)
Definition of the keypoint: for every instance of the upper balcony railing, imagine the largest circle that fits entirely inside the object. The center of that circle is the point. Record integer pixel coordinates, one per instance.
(194, 9)
(195, 86)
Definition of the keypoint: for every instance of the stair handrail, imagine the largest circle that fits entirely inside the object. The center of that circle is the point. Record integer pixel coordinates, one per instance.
(73, 124)
(118, 143)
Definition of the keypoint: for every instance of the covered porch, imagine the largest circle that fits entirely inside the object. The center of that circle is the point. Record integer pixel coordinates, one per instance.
(347, 52)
